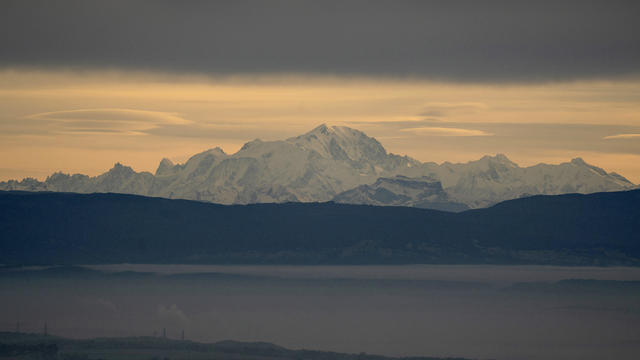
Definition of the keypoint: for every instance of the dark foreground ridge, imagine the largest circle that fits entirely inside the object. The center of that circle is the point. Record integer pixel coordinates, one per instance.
(33, 346)
(66, 228)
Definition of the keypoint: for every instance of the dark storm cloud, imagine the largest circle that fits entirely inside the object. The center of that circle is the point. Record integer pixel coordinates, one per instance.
(444, 40)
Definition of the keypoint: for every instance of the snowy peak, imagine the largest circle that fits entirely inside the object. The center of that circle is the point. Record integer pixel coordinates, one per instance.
(251, 144)
(200, 163)
(119, 169)
(503, 159)
(581, 164)
(340, 143)
(217, 151)
(165, 167)
(500, 160)
(117, 174)
(579, 161)
(211, 153)
(322, 129)
(485, 163)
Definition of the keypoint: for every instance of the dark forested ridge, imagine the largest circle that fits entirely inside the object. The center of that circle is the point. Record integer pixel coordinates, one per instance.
(34, 346)
(66, 228)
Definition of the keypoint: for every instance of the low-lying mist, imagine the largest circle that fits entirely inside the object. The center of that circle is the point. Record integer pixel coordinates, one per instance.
(500, 312)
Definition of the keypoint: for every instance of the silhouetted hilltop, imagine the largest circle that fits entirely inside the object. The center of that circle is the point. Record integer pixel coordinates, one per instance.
(64, 228)
(29, 346)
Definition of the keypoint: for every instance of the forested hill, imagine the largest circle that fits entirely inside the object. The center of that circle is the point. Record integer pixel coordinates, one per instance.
(25, 346)
(66, 228)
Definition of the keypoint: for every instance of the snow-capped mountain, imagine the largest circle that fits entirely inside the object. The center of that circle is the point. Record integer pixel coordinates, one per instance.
(402, 191)
(327, 161)
(311, 167)
(493, 179)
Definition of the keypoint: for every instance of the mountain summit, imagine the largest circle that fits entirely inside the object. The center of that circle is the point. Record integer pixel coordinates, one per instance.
(340, 143)
(337, 162)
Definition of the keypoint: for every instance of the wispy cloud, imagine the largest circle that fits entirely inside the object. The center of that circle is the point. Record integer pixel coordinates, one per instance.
(622, 136)
(444, 109)
(442, 131)
(112, 114)
(107, 120)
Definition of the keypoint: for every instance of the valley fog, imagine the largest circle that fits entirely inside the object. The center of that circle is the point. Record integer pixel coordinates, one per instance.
(499, 312)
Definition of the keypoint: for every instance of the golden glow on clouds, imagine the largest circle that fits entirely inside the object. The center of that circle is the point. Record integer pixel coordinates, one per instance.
(622, 136)
(86, 121)
(105, 121)
(441, 131)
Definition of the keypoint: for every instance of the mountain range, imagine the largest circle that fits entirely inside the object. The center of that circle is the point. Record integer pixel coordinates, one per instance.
(340, 164)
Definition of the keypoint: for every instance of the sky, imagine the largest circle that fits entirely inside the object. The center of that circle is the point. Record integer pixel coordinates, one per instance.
(86, 84)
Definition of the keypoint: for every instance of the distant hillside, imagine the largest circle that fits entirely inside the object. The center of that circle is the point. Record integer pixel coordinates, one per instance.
(34, 346)
(45, 228)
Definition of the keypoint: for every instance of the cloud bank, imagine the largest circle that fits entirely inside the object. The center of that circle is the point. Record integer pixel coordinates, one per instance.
(477, 41)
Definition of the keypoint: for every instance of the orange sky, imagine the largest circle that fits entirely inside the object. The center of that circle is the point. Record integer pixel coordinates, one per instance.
(86, 121)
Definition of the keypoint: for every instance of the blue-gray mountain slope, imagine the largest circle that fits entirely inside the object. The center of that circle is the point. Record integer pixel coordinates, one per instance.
(574, 229)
